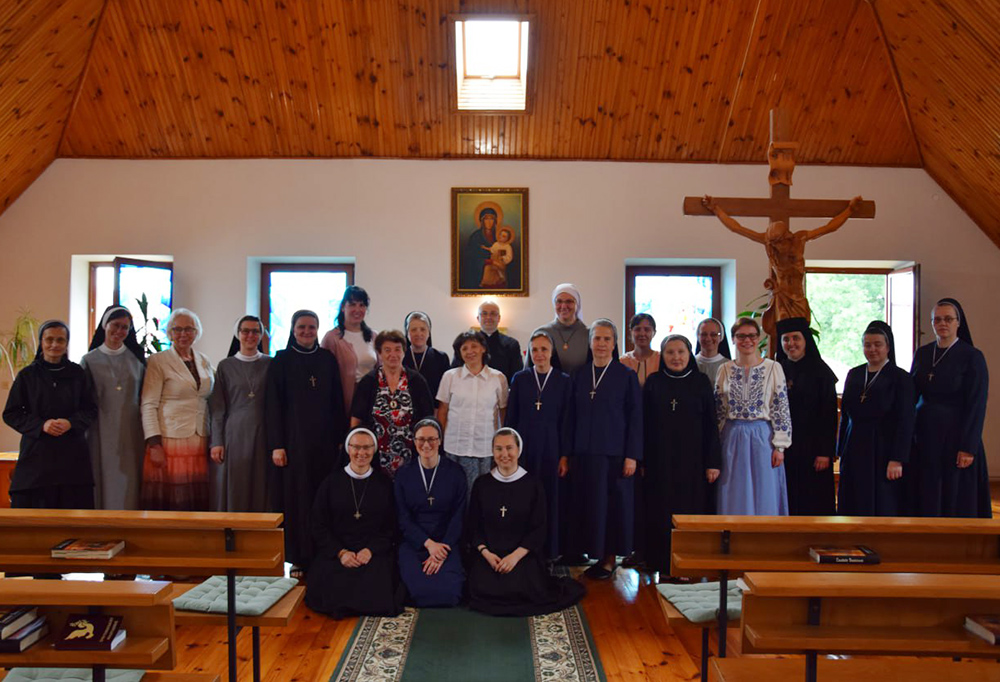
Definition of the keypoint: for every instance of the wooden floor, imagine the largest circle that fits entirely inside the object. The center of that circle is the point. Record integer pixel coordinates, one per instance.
(632, 638)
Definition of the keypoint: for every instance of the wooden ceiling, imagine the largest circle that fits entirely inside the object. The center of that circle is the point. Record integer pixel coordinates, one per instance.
(673, 80)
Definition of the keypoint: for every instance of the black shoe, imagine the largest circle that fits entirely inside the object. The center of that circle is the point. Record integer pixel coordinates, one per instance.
(598, 572)
(634, 560)
(573, 560)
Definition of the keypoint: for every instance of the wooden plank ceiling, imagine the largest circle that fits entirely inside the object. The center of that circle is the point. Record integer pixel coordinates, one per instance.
(677, 80)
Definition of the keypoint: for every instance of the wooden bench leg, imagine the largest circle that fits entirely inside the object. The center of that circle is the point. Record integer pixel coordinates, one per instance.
(704, 654)
(810, 666)
(98, 673)
(256, 654)
(723, 611)
(231, 621)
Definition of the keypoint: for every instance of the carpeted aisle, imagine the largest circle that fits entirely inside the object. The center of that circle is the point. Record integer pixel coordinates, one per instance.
(458, 645)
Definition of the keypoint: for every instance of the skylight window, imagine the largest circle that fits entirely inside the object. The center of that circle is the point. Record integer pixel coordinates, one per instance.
(491, 64)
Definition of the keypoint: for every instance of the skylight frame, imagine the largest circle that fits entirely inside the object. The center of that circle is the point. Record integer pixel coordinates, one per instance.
(527, 50)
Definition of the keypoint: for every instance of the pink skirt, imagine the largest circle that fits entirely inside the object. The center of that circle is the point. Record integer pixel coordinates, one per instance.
(182, 483)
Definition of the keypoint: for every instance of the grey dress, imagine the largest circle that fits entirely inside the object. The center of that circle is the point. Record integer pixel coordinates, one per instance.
(117, 444)
(239, 484)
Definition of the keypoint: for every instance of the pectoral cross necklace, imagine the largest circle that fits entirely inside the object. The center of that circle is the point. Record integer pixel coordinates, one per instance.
(935, 359)
(251, 384)
(868, 384)
(423, 477)
(312, 380)
(595, 380)
(357, 502)
(541, 387)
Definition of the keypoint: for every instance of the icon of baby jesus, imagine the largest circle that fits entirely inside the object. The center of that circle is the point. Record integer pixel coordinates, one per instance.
(501, 253)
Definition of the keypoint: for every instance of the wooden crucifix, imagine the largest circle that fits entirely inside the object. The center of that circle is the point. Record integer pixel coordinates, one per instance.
(785, 249)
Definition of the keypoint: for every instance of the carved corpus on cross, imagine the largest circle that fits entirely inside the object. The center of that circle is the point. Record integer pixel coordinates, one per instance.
(785, 249)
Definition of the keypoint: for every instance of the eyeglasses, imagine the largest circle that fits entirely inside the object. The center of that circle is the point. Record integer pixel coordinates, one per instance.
(184, 330)
(249, 332)
(427, 441)
(746, 337)
(948, 319)
(360, 448)
(709, 335)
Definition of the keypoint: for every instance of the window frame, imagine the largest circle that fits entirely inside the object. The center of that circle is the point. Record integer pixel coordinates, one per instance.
(267, 268)
(92, 319)
(529, 69)
(632, 271)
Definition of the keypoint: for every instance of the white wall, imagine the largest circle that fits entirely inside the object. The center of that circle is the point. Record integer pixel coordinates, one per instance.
(585, 220)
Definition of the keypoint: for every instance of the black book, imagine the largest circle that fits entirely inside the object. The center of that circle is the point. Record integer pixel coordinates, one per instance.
(25, 637)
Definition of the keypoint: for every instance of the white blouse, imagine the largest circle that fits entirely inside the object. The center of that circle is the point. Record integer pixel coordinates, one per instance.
(760, 393)
(474, 404)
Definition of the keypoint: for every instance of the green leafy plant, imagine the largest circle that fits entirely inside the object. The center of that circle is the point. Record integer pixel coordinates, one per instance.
(148, 341)
(18, 346)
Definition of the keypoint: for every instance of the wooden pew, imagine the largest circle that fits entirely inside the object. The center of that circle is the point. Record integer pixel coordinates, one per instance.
(725, 547)
(186, 543)
(148, 615)
(866, 614)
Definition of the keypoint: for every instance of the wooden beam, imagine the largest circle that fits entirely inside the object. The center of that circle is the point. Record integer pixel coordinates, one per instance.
(794, 208)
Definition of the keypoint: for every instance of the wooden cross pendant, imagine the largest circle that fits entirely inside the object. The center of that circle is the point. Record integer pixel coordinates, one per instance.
(863, 396)
(538, 405)
(430, 500)
(312, 380)
(357, 515)
(503, 511)
(673, 405)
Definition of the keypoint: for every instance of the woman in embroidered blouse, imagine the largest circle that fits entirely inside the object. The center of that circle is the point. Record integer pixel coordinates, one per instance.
(389, 400)
(751, 402)
(174, 410)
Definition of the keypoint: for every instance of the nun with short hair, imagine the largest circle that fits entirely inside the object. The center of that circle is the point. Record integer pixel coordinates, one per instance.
(116, 365)
(51, 404)
(240, 462)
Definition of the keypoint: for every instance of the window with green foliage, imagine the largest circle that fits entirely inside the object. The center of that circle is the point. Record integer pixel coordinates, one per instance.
(844, 302)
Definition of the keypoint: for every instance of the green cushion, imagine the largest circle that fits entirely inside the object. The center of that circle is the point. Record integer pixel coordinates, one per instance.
(254, 595)
(70, 675)
(699, 602)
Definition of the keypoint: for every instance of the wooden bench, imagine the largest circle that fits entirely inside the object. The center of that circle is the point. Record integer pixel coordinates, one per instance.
(725, 547)
(187, 543)
(867, 614)
(146, 609)
(279, 615)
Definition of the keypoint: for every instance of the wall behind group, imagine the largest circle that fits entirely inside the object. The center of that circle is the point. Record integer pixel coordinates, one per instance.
(585, 220)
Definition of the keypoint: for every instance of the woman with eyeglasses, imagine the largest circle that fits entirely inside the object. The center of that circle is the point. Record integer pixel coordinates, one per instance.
(876, 431)
(430, 503)
(712, 348)
(239, 468)
(354, 530)
(751, 402)
(952, 382)
(175, 420)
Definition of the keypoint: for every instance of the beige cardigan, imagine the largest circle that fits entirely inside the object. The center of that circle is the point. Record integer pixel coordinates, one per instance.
(172, 405)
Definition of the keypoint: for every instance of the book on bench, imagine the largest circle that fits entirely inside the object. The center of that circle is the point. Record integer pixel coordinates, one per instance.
(97, 632)
(14, 618)
(75, 548)
(984, 626)
(857, 554)
(25, 637)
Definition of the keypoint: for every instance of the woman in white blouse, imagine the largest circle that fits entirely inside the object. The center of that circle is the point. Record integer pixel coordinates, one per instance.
(751, 401)
(175, 420)
(472, 405)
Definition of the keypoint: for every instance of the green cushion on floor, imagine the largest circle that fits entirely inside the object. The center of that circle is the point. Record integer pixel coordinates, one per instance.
(699, 602)
(254, 595)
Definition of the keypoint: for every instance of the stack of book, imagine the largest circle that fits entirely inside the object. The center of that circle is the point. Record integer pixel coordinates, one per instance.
(75, 548)
(20, 627)
(91, 632)
(857, 554)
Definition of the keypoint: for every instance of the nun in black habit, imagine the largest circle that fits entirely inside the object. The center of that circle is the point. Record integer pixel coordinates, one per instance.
(876, 431)
(305, 424)
(421, 355)
(51, 404)
(812, 400)
(952, 381)
(682, 455)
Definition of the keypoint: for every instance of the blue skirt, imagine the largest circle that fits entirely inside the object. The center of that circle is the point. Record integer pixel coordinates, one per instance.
(748, 483)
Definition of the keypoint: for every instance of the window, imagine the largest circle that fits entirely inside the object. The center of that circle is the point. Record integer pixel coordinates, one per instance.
(678, 298)
(287, 287)
(845, 300)
(124, 281)
(491, 63)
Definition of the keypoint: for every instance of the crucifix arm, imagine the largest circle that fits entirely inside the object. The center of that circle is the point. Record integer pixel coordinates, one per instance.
(836, 222)
(731, 223)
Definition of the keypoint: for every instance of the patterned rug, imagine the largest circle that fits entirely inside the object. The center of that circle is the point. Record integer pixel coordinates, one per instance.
(459, 645)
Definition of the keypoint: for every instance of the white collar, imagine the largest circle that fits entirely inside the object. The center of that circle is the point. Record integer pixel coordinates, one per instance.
(718, 357)
(108, 351)
(517, 475)
(248, 358)
(357, 476)
(484, 373)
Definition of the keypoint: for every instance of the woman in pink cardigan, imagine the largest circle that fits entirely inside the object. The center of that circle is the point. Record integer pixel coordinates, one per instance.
(351, 341)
